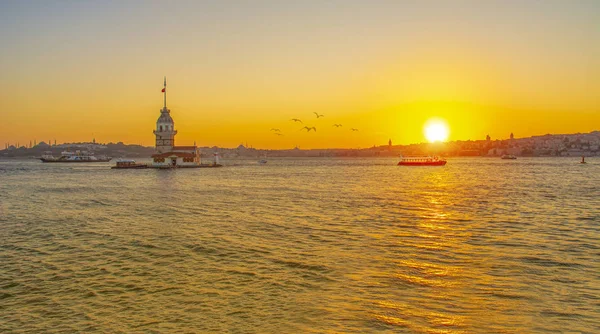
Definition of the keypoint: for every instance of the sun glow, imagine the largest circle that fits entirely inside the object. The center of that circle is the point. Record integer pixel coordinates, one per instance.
(436, 130)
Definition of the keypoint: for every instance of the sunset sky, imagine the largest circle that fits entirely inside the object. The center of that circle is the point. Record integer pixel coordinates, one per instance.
(74, 70)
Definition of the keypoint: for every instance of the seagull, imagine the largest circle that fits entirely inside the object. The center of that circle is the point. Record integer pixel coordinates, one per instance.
(296, 120)
(276, 130)
(318, 116)
(308, 129)
(353, 129)
(337, 125)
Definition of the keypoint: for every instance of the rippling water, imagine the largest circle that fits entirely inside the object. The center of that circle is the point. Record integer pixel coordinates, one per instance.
(302, 245)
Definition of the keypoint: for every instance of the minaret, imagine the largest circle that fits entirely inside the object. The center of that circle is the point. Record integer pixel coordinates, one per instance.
(165, 127)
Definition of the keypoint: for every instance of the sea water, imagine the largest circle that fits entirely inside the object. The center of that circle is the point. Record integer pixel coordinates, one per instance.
(302, 245)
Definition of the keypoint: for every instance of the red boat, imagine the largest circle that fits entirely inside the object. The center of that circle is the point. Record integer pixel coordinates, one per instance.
(421, 161)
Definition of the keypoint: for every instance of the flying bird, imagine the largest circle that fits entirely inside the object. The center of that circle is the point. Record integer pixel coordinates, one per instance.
(337, 125)
(276, 130)
(318, 115)
(353, 129)
(296, 120)
(308, 129)
(278, 134)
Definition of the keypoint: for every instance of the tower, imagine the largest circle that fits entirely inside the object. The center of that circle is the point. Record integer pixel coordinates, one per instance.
(512, 136)
(165, 127)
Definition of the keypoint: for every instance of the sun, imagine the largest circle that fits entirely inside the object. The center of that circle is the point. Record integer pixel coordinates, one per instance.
(436, 130)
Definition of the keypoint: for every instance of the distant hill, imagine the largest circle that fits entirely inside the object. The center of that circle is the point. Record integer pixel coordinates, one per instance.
(111, 149)
(577, 144)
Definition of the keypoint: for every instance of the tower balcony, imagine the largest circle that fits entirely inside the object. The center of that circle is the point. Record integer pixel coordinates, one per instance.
(165, 132)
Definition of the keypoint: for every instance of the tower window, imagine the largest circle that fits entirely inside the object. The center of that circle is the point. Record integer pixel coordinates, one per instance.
(161, 128)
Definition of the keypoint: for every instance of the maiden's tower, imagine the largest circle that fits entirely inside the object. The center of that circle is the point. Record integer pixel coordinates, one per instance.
(167, 154)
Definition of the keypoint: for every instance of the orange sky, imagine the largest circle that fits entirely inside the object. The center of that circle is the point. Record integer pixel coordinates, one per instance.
(75, 71)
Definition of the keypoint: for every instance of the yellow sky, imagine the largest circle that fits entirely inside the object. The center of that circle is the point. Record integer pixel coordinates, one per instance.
(77, 71)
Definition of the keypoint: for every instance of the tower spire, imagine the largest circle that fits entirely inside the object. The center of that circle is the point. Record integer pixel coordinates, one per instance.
(165, 91)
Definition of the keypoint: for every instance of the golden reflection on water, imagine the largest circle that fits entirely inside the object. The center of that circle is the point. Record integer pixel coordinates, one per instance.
(438, 230)
(458, 270)
(436, 322)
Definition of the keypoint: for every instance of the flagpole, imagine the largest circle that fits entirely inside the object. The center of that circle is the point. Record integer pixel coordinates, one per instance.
(165, 93)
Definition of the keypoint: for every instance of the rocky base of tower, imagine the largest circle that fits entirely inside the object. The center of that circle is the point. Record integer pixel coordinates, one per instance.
(187, 166)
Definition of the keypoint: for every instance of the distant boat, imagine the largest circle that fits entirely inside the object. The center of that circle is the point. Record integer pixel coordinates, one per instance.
(128, 164)
(508, 157)
(77, 156)
(263, 160)
(421, 161)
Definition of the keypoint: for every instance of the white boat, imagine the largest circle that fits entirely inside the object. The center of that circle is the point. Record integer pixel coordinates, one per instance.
(508, 157)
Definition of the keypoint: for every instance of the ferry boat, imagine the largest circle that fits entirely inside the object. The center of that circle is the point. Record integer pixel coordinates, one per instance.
(508, 157)
(77, 156)
(128, 164)
(421, 161)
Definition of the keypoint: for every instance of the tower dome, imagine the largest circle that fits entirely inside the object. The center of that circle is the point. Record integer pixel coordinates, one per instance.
(165, 121)
(165, 117)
